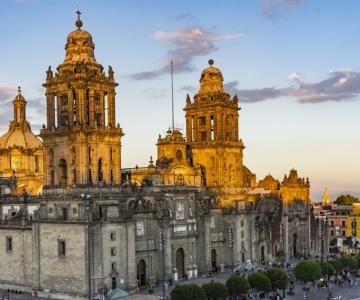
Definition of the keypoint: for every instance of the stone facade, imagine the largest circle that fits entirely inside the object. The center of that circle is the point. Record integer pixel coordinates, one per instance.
(195, 208)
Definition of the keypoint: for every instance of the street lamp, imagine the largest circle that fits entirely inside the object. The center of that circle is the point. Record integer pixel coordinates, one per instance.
(87, 201)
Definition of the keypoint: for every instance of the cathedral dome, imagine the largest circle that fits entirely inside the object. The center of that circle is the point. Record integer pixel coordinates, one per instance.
(79, 46)
(19, 134)
(18, 138)
(211, 80)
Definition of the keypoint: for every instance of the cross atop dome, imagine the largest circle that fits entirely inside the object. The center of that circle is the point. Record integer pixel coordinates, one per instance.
(78, 22)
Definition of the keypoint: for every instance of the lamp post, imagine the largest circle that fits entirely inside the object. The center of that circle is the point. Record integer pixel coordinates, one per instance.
(87, 201)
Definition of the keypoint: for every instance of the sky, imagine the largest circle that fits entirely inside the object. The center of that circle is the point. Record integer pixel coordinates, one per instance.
(294, 65)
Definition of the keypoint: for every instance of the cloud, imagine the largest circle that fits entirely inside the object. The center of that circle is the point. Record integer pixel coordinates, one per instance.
(183, 46)
(188, 88)
(341, 85)
(270, 8)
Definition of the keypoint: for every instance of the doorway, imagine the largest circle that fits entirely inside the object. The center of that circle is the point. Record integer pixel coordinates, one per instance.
(180, 262)
(262, 255)
(213, 260)
(141, 273)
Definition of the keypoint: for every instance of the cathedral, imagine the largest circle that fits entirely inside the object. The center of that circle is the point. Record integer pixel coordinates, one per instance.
(74, 221)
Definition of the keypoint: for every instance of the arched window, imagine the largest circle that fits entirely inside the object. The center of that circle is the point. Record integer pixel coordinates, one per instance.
(100, 170)
(63, 172)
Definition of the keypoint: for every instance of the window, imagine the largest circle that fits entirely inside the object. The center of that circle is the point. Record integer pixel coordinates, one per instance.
(343, 224)
(113, 266)
(242, 234)
(243, 244)
(203, 136)
(343, 233)
(113, 251)
(64, 213)
(9, 244)
(332, 223)
(74, 210)
(332, 232)
(242, 223)
(51, 210)
(112, 236)
(61, 248)
(37, 163)
(202, 121)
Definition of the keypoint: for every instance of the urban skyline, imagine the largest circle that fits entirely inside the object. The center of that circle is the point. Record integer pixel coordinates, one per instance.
(294, 112)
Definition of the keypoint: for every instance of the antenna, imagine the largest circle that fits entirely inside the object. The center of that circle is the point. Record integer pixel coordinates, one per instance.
(172, 96)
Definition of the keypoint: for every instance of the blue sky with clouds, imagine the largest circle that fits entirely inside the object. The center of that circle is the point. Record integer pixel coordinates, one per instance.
(294, 64)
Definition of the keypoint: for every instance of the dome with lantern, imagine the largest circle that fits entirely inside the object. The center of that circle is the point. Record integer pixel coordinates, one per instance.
(211, 80)
(79, 46)
(19, 134)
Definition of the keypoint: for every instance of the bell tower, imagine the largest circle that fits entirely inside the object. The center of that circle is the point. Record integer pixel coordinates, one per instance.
(82, 143)
(212, 133)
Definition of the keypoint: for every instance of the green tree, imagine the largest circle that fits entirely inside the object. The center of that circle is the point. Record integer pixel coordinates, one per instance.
(188, 291)
(307, 270)
(346, 200)
(278, 278)
(280, 255)
(215, 290)
(357, 257)
(327, 269)
(237, 285)
(348, 262)
(336, 264)
(260, 281)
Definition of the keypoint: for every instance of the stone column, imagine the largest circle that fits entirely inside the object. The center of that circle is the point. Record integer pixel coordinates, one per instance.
(102, 109)
(111, 108)
(207, 242)
(131, 263)
(91, 108)
(36, 256)
(286, 231)
(81, 106)
(70, 108)
(50, 110)
(167, 253)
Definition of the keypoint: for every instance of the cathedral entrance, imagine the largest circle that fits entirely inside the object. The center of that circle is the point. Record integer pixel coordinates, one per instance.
(180, 262)
(294, 245)
(262, 254)
(141, 273)
(63, 171)
(213, 260)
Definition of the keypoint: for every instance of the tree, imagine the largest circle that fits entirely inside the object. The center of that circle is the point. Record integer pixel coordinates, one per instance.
(215, 290)
(346, 200)
(280, 255)
(278, 278)
(348, 262)
(237, 285)
(188, 291)
(260, 281)
(307, 270)
(336, 264)
(327, 269)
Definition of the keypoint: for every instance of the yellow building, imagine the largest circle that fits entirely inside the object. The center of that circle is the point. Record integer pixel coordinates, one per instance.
(82, 143)
(213, 137)
(21, 153)
(353, 222)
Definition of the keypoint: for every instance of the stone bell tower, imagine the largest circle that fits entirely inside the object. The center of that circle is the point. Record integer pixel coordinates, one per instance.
(213, 135)
(82, 143)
